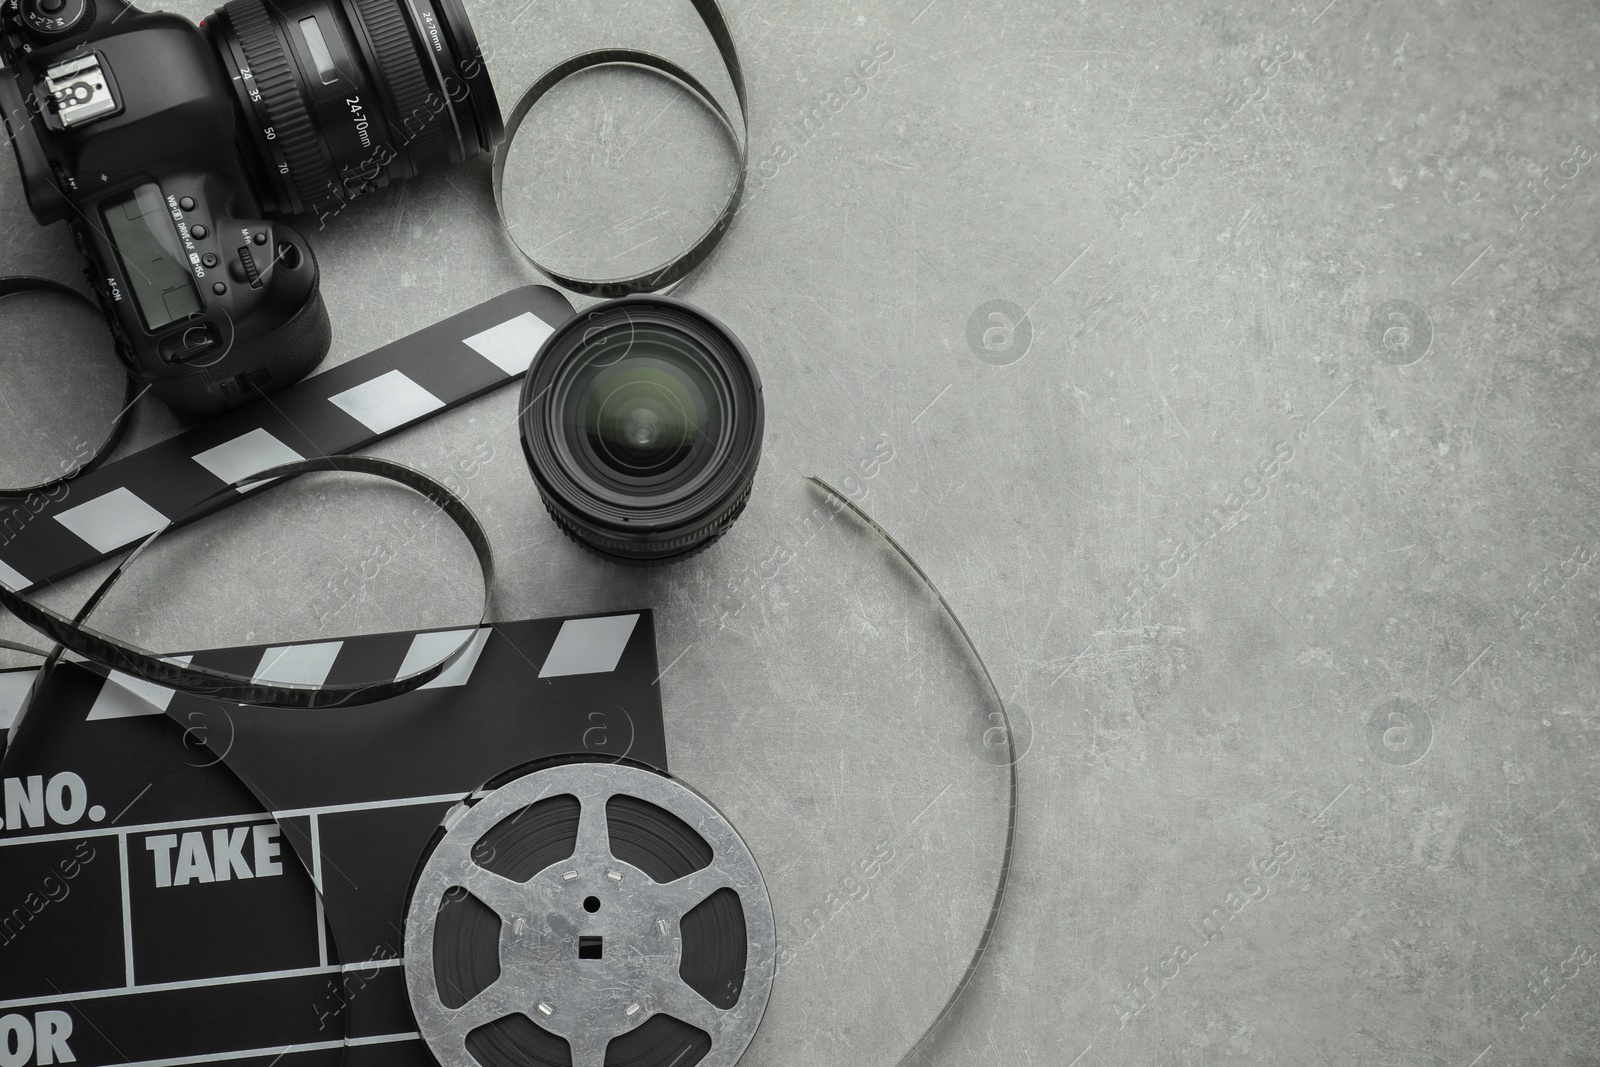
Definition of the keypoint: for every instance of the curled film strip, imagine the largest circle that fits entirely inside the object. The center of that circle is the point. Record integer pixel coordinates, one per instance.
(1013, 756)
(661, 278)
(181, 675)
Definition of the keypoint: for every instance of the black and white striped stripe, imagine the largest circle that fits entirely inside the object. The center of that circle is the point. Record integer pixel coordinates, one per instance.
(341, 411)
(581, 646)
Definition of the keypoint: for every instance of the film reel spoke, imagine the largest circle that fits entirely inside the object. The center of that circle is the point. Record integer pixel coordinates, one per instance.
(593, 846)
(589, 1049)
(502, 998)
(508, 899)
(679, 898)
(686, 1005)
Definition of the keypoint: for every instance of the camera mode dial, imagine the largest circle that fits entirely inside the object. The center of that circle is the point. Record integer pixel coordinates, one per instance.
(48, 19)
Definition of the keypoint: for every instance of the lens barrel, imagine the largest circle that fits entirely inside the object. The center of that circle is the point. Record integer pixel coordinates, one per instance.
(642, 420)
(341, 97)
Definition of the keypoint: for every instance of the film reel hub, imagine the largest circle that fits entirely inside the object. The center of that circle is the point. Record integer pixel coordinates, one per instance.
(589, 914)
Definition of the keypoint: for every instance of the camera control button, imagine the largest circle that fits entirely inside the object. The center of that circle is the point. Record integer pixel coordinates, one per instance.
(247, 264)
(210, 259)
(260, 239)
(187, 203)
(179, 347)
(52, 18)
(220, 288)
(198, 232)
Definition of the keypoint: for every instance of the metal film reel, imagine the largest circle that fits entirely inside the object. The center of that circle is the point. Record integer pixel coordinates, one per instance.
(589, 914)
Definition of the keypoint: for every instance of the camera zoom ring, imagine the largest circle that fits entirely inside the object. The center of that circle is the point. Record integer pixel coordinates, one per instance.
(294, 135)
(419, 129)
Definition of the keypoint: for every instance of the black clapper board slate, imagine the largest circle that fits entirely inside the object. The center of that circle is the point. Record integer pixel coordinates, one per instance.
(337, 412)
(158, 871)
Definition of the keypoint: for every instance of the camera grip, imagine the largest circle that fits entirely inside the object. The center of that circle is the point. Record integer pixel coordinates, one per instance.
(276, 360)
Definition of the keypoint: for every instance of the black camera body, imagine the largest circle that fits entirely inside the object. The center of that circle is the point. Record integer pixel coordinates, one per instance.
(125, 128)
(166, 147)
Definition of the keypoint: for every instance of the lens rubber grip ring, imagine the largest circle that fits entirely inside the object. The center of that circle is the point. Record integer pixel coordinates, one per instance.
(294, 135)
(389, 32)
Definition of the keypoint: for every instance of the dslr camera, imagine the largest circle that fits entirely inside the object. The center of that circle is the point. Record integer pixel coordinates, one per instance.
(170, 149)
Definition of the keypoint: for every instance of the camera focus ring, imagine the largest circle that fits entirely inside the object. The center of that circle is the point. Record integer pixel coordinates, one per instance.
(419, 128)
(293, 135)
(662, 550)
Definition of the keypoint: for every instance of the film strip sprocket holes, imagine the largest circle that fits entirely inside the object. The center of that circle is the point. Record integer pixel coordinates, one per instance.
(155, 911)
(338, 412)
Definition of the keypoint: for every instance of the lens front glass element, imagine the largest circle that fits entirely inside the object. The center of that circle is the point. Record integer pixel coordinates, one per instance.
(642, 408)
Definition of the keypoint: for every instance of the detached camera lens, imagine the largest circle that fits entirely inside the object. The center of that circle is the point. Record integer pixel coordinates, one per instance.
(642, 421)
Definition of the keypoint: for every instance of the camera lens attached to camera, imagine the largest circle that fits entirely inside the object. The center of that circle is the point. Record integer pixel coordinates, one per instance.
(642, 419)
(349, 95)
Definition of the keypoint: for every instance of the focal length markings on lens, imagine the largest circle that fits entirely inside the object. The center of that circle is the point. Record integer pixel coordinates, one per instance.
(255, 96)
(341, 98)
(360, 118)
(253, 91)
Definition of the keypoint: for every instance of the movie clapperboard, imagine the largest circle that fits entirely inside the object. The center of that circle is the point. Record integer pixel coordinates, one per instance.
(162, 854)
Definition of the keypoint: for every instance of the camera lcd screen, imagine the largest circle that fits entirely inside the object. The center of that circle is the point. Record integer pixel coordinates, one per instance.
(157, 270)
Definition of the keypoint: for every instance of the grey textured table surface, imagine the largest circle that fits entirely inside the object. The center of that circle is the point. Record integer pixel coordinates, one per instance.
(1237, 366)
